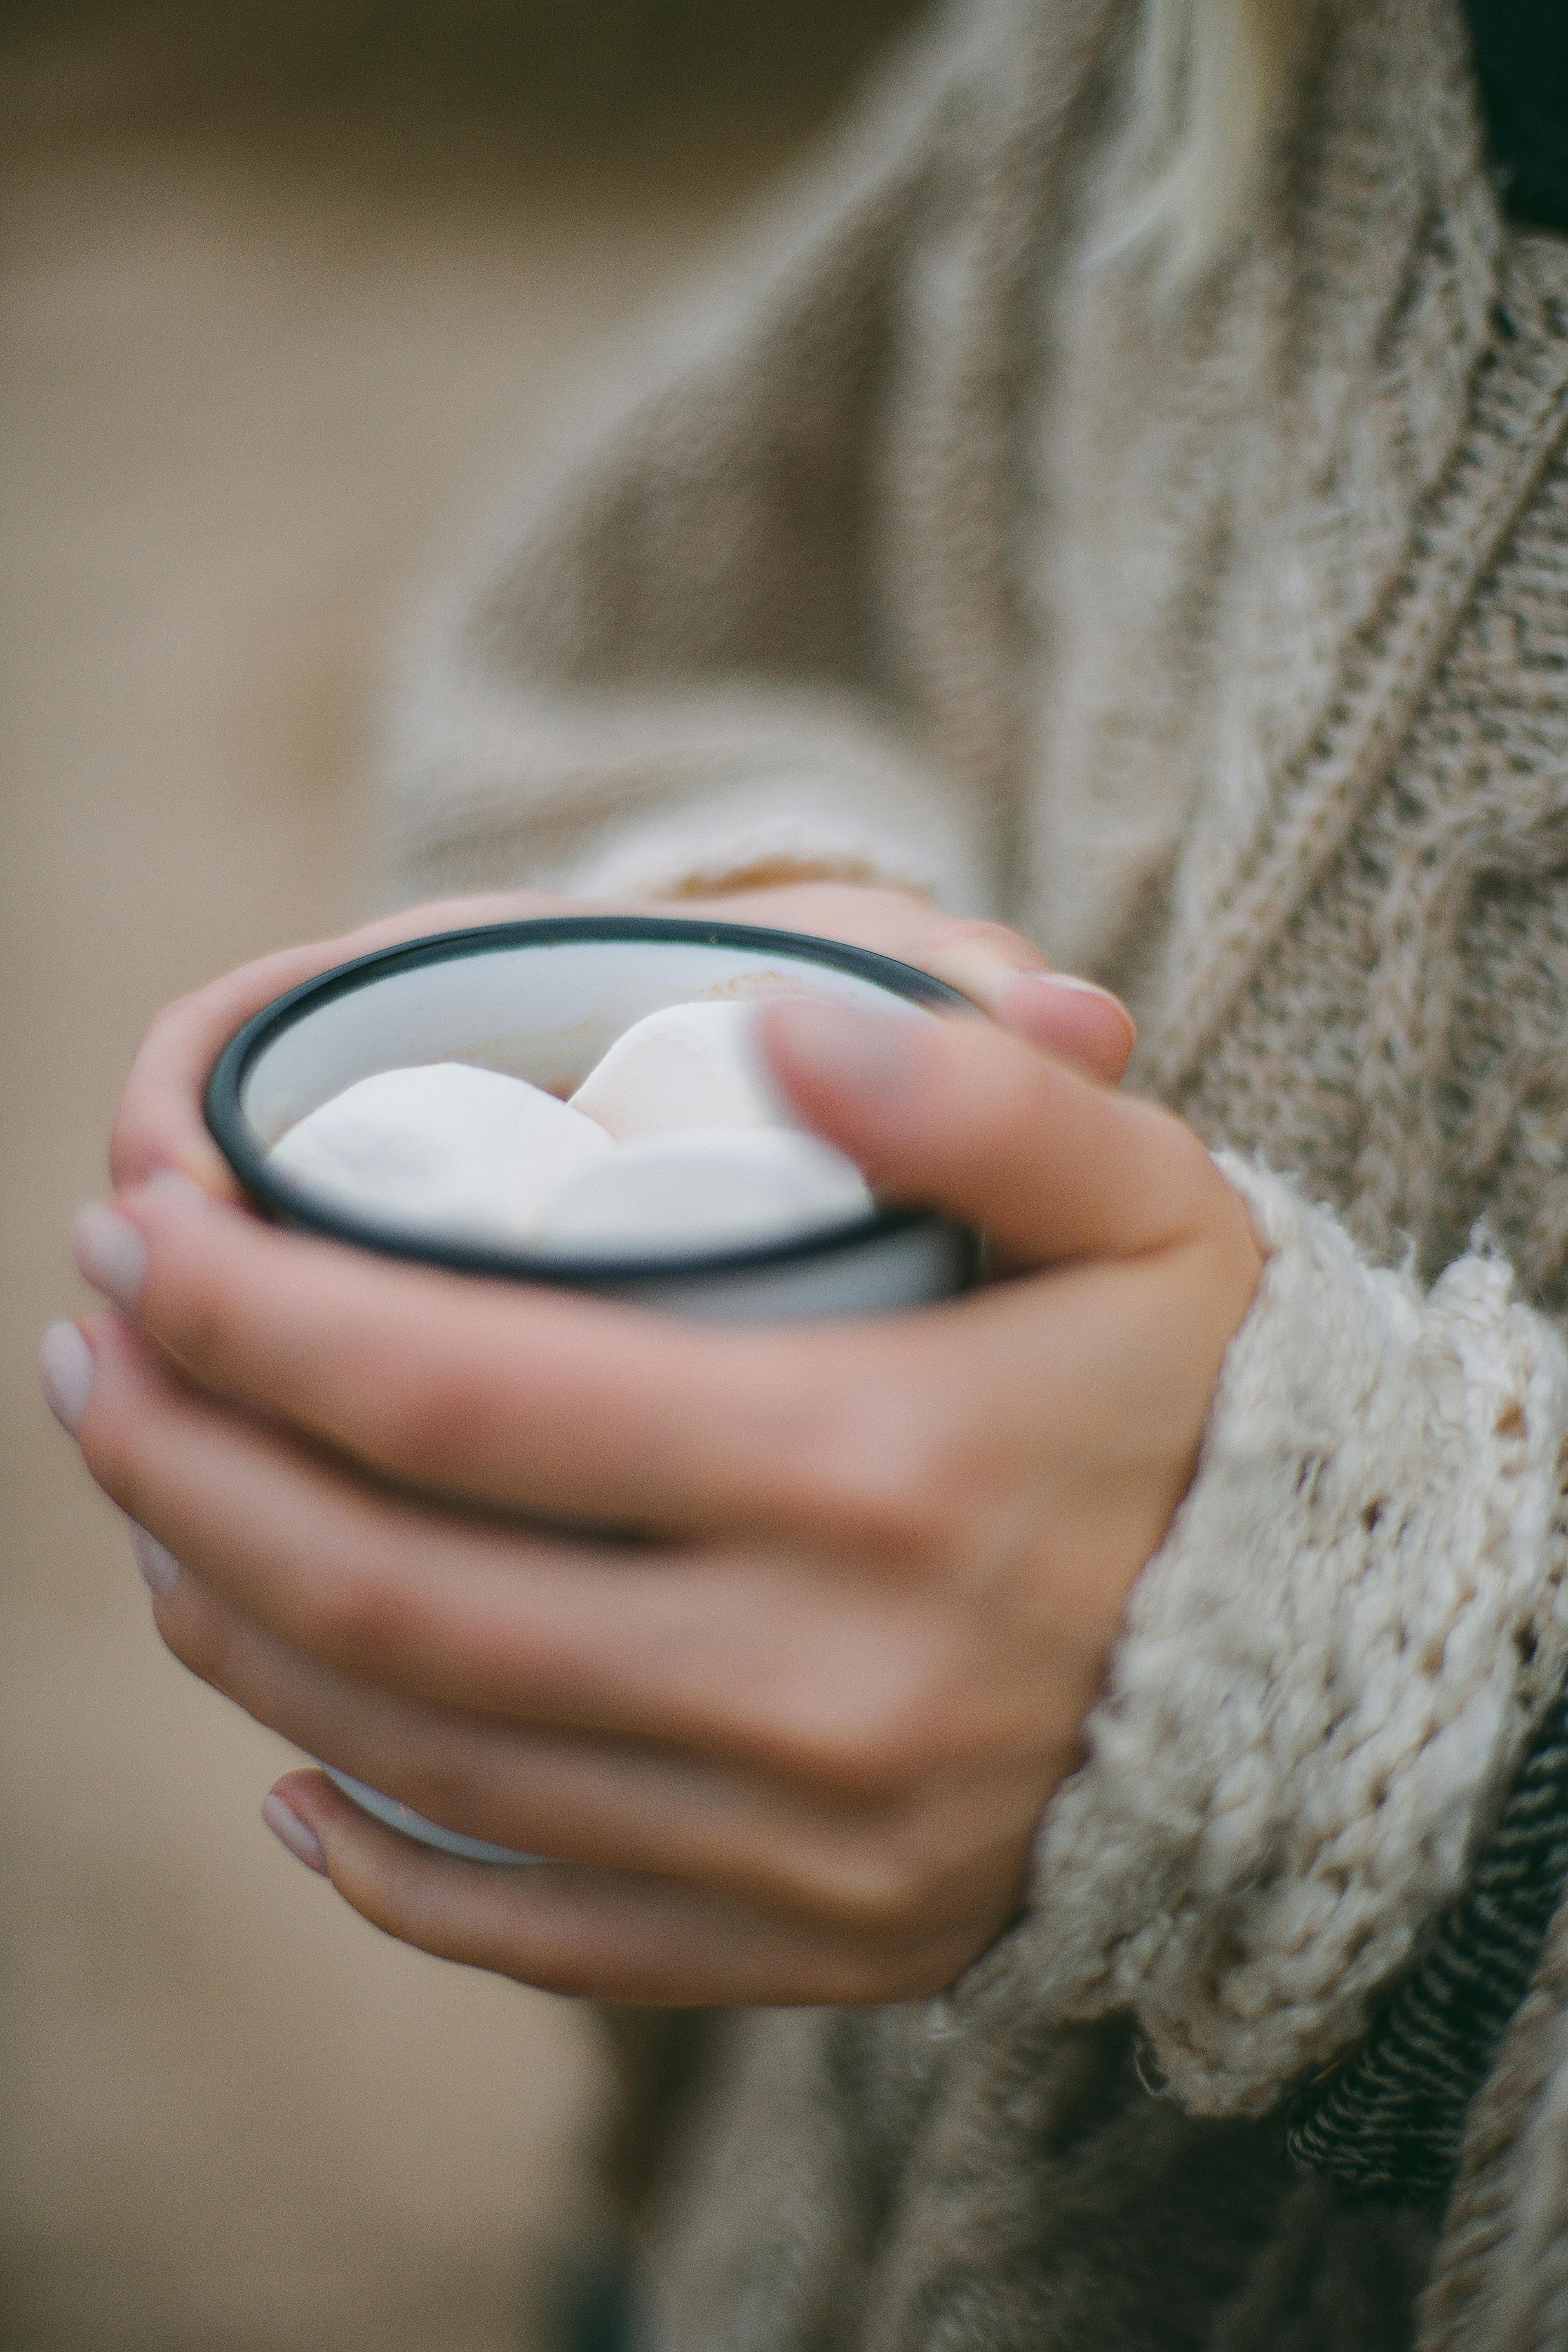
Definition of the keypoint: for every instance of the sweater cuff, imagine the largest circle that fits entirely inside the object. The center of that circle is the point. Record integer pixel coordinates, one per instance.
(787, 827)
(630, 795)
(1326, 1676)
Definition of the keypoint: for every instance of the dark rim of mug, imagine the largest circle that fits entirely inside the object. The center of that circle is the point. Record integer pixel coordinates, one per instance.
(290, 1203)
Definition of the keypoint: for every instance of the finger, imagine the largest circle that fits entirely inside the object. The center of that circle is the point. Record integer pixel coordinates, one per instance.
(999, 969)
(160, 1121)
(604, 1935)
(959, 1117)
(850, 1683)
(1072, 1019)
(879, 1869)
(531, 1398)
(1008, 978)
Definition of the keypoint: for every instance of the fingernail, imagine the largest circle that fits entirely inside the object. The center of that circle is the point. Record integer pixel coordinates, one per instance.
(864, 1052)
(1070, 984)
(66, 1369)
(978, 970)
(109, 1254)
(299, 1836)
(160, 1568)
(1032, 988)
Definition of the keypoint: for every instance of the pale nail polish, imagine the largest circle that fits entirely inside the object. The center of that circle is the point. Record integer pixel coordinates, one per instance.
(299, 1836)
(67, 1369)
(1069, 983)
(109, 1254)
(159, 1569)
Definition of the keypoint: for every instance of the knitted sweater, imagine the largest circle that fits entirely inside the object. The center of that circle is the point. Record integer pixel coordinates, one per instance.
(1219, 639)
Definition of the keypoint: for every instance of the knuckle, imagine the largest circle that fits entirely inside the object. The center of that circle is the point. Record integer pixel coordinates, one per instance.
(884, 1887)
(885, 1501)
(894, 1479)
(352, 1613)
(877, 1746)
(863, 1504)
(419, 1418)
(393, 1421)
(191, 1305)
(190, 1310)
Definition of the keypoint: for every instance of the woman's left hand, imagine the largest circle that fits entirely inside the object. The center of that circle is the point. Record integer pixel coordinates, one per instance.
(790, 1747)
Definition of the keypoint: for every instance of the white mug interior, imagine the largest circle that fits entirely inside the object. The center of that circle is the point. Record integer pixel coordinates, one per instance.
(547, 1009)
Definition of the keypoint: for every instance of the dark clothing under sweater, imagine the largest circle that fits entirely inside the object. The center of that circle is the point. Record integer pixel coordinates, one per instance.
(1521, 58)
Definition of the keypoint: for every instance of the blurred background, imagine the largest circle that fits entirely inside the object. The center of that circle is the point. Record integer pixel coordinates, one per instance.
(289, 291)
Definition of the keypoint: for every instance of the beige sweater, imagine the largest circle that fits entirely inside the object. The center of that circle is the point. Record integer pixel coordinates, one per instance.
(1220, 641)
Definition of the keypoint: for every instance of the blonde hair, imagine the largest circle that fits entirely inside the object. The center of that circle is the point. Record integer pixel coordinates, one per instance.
(1207, 81)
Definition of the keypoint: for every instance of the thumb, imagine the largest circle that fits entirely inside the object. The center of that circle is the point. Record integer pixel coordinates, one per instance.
(959, 1116)
(1005, 977)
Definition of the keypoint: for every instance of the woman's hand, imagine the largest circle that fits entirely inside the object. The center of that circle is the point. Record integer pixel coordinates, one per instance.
(793, 1746)
(160, 1122)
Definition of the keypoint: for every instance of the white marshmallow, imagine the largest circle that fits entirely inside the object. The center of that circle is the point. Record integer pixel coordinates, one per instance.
(716, 1189)
(445, 1149)
(692, 1065)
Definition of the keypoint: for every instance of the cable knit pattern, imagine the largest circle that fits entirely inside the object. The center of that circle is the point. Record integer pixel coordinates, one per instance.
(1219, 641)
(1321, 1672)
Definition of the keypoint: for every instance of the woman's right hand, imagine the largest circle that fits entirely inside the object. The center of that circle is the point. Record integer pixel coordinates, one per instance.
(161, 1123)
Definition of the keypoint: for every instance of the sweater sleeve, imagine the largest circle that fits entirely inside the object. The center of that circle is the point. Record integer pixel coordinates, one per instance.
(1326, 1676)
(665, 674)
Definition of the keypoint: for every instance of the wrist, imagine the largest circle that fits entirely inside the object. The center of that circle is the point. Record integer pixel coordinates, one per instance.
(1321, 1682)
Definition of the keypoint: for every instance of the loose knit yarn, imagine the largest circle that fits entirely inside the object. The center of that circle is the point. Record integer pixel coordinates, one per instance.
(1252, 1849)
(1221, 641)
